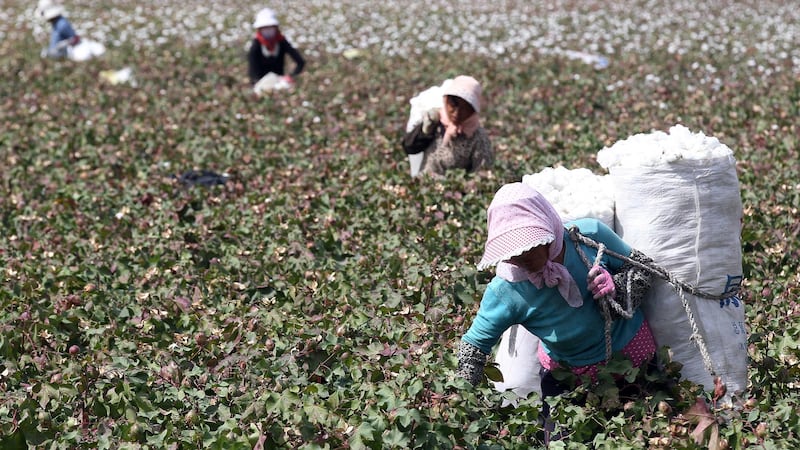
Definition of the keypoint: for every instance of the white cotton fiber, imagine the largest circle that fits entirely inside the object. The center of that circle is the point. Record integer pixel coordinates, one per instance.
(576, 193)
(428, 99)
(659, 148)
(85, 50)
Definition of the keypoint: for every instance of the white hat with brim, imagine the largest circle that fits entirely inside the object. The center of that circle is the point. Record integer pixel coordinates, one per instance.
(265, 18)
(51, 12)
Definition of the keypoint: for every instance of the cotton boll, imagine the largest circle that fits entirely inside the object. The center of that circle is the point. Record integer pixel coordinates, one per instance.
(422, 102)
(575, 194)
(657, 148)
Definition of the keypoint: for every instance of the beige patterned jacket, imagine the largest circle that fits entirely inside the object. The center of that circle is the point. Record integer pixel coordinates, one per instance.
(462, 152)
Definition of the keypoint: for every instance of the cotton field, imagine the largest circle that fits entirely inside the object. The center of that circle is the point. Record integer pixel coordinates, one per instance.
(762, 36)
(187, 264)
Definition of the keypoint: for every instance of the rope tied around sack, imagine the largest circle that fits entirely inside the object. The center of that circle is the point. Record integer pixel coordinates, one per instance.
(607, 304)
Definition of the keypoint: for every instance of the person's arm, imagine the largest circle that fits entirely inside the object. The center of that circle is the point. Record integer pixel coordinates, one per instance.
(628, 277)
(495, 315)
(605, 235)
(63, 35)
(254, 62)
(53, 49)
(299, 62)
(59, 38)
(471, 361)
(632, 279)
(416, 141)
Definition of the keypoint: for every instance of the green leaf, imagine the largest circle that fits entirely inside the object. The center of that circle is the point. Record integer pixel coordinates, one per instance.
(493, 373)
(415, 388)
(395, 439)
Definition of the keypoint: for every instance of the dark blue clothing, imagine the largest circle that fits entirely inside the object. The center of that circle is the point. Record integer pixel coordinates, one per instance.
(261, 62)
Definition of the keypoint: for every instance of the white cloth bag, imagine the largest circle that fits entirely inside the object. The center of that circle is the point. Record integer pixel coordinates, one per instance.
(85, 50)
(271, 82)
(517, 360)
(686, 214)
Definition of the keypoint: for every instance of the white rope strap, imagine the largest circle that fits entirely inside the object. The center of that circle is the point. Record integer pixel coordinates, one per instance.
(696, 336)
(652, 268)
(679, 286)
(606, 302)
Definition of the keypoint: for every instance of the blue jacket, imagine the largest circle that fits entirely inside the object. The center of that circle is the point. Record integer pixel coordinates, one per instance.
(62, 30)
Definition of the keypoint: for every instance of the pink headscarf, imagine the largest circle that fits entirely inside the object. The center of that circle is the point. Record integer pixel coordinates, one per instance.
(469, 89)
(520, 218)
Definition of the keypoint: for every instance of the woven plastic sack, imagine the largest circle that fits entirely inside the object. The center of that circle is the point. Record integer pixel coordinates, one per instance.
(682, 207)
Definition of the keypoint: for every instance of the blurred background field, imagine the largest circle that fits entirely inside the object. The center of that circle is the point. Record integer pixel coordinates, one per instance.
(315, 298)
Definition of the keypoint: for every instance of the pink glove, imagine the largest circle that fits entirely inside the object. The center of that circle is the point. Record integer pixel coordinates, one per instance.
(601, 283)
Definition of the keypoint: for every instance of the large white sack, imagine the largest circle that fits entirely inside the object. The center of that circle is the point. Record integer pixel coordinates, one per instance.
(85, 50)
(517, 360)
(677, 200)
(575, 194)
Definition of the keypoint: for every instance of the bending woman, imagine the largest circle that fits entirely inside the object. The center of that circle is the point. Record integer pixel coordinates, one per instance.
(543, 284)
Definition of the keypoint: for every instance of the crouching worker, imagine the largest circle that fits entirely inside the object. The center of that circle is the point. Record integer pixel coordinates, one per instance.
(451, 137)
(62, 35)
(268, 51)
(548, 281)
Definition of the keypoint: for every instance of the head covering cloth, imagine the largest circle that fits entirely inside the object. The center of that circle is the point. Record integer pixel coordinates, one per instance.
(519, 219)
(467, 88)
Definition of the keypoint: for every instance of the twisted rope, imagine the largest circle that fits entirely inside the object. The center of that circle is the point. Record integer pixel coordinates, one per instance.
(607, 302)
(680, 287)
(653, 268)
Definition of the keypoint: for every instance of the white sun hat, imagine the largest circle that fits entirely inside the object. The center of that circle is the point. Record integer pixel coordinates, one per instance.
(51, 11)
(466, 87)
(265, 18)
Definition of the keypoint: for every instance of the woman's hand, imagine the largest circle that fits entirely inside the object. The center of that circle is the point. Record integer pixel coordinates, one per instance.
(601, 283)
(429, 121)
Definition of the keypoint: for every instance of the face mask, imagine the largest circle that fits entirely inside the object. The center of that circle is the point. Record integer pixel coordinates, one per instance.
(268, 33)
